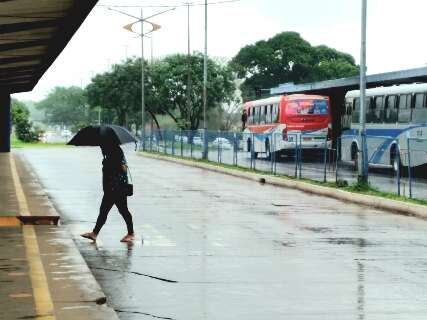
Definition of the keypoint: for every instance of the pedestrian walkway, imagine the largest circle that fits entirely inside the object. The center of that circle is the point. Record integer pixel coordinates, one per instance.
(42, 274)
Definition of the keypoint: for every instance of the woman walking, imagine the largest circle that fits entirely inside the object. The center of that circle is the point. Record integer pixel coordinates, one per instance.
(114, 180)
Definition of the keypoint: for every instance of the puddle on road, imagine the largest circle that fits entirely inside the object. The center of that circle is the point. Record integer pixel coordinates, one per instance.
(360, 242)
(317, 229)
(288, 244)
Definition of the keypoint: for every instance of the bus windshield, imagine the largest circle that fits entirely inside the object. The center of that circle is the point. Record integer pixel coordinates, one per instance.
(307, 107)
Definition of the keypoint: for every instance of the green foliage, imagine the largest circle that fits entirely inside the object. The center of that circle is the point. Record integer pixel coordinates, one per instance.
(24, 129)
(166, 80)
(288, 58)
(65, 106)
(117, 92)
(169, 80)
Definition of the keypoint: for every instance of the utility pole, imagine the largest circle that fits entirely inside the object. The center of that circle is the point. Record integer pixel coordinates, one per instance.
(188, 59)
(142, 85)
(205, 84)
(363, 156)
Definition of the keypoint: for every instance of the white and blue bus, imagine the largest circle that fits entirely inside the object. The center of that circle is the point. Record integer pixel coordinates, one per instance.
(394, 116)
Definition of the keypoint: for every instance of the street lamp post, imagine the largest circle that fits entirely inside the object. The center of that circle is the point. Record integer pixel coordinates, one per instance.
(363, 156)
(142, 85)
(128, 27)
(205, 84)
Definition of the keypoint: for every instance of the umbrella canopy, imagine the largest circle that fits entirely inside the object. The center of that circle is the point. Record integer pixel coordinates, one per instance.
(104, 134)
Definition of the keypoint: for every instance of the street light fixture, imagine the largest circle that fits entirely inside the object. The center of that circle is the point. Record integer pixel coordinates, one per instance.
(156, 27)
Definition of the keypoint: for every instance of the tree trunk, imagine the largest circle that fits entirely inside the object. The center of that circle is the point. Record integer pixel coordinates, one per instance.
(155, 120)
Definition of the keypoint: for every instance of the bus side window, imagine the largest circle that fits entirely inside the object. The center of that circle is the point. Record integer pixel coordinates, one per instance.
(404, 115)
(276, 112)
(419, 114)
(264, 114)
(356, 111)
(346, 115)
(266, 121)
(370, 112)
(270, 114)
(379, 110)
(390, 112)
(255, 115)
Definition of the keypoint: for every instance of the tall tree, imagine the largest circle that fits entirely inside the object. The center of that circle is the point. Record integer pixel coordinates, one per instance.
(119, 93)
(65, 105)
(287, 57)
(165, 89)
(169, 83)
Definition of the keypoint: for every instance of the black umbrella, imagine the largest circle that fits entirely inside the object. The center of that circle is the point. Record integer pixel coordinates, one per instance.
(96, 135)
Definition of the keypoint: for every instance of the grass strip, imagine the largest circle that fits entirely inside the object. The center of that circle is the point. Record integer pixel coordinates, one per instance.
(16, 143)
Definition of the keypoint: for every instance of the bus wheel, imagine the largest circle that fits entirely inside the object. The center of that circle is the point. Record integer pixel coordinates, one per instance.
(395, 161)
(355, 156)
(267, 150)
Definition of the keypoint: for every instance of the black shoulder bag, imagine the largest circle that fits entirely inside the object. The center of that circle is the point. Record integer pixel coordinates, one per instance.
(128, 187)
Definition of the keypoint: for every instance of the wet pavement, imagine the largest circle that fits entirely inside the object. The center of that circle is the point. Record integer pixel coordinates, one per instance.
(312, 167)
(219, 247)
(42, 274)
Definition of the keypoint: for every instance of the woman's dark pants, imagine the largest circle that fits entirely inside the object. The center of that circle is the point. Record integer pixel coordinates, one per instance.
(107, 203)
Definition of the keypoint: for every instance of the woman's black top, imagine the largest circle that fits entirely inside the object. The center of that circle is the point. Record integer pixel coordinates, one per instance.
(114, 177)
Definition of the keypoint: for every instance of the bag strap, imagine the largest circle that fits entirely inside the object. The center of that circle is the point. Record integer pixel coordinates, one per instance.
(128, 171)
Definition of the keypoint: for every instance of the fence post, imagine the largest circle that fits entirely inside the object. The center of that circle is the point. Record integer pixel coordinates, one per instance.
(296, 155)
(300, 155)
(191, 136)
(180, 139)
(252, 150)
(166, 142)
(409, 167)
(159, 135)
(338, 157)
(151, 140)
(219, 147)
(398, 167)
(275, 154)
(235, 149)
(325, 150)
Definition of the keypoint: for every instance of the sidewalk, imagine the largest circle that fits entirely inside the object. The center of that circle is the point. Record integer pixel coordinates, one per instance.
(42, 274)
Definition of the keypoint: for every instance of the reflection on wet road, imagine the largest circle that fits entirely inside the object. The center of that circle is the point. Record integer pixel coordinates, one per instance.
(218, 247)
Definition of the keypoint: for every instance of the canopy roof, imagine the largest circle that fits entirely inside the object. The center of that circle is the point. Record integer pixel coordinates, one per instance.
(32, 35)
(346, 84)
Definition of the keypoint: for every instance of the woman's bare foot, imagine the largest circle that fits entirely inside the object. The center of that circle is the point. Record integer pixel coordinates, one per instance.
(128, 238)
(89, 235)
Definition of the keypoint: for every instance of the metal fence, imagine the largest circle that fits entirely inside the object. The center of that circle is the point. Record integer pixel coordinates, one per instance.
(392, 167)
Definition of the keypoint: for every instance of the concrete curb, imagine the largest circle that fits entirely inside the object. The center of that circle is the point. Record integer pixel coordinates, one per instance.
(394, 206)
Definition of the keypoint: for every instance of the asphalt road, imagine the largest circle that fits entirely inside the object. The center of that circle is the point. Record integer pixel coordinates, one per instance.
(219, 247)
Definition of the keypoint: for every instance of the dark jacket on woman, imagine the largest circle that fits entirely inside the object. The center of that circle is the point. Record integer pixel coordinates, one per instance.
(114, 175)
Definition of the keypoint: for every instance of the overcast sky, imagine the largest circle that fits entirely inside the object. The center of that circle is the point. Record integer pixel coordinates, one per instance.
(395, 34)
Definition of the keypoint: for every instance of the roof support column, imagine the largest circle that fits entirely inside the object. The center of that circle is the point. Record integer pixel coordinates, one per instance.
(5, 122)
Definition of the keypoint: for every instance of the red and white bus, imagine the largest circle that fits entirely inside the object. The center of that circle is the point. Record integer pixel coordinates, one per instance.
(278, 123)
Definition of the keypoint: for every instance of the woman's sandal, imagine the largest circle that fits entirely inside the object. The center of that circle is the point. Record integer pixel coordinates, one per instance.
(89, 235)
(128, 238)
